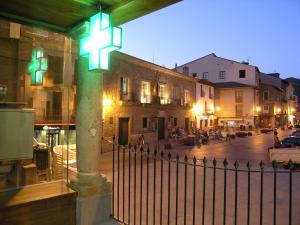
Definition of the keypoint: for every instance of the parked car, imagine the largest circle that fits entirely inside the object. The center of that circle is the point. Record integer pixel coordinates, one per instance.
(296, 133)
(241, 134)
(266, 130)
(290, 141)
(297, 126)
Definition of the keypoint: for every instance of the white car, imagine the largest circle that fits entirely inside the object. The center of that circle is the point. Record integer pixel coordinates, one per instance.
(283, 155)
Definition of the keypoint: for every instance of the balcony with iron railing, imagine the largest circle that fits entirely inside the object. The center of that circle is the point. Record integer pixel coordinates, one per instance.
(129, 97)
(133, 97)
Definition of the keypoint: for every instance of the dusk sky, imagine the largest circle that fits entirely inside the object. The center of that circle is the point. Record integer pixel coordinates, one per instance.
(265, 32)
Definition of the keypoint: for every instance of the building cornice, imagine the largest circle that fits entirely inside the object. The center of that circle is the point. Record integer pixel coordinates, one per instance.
(151, 66)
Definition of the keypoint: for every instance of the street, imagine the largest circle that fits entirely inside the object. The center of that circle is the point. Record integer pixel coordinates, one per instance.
(253, 149)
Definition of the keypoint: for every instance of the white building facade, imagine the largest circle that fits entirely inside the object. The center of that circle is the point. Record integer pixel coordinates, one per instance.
(204, 108)
(236, 97)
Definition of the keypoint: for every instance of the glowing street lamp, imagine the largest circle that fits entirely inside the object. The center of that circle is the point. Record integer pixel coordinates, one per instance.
(198, 110)
(103, 38)
(218, 108)
(37, 66)
(278, 110)
(107, 102)
(258, 109)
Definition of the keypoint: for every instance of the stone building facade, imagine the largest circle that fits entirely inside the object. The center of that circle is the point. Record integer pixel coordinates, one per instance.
(141, 98)
(277, 101)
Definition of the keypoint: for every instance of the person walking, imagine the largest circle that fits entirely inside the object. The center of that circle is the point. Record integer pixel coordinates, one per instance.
(275, 137)
(228, 138)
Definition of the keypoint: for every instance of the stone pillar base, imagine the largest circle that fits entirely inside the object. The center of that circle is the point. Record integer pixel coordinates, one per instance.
(94, 210)
(94, 200)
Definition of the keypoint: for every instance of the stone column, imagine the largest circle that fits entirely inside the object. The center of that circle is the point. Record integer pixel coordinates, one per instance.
(94, 192)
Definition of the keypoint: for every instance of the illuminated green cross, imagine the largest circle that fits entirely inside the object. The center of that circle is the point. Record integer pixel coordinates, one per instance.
(37, 66)
(103, 38)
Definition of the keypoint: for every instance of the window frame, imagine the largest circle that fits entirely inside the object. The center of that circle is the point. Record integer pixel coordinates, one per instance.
(222, 75)
(205, 75)
(145, 122)
(266, 92)
(145, 93)
(123, 91)
(242, 74)
(187, 97)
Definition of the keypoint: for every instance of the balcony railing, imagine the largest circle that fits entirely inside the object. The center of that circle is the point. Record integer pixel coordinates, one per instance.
(148, 99)
(145, 99)
(129, 97)
(187, 103)
(164, 100)
(175, 101)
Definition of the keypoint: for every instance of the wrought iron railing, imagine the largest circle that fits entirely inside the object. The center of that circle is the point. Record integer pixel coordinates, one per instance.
(151, 187)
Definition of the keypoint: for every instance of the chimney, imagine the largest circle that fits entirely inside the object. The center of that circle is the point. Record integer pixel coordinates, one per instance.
(175, 68)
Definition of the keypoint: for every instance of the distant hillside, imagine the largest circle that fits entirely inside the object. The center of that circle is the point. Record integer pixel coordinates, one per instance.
(296, 83)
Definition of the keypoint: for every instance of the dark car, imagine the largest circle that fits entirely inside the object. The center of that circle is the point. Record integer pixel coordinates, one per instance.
(296, 133)
(291, 141)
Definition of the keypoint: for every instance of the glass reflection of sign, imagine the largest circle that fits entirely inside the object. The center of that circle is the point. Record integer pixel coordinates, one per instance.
(103, 38)
(37, 66)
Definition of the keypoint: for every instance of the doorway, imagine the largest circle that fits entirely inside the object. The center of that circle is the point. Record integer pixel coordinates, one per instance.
(186, 124)
(161, 128)
(123, 130)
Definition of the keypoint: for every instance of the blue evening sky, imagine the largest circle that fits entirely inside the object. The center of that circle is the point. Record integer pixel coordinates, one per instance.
(267, 32)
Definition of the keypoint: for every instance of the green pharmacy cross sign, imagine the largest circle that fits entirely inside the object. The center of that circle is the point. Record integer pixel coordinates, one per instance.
(103, 38)
(37, 66)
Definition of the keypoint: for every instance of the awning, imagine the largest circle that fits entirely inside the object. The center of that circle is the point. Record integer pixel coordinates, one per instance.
(63, 15)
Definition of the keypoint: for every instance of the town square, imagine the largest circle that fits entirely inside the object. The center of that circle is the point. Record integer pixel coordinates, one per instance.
(136, 112)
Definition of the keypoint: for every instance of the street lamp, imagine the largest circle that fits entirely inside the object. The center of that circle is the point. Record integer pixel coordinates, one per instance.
(218, 108)
(278, 110)
(198, 110)
(106, 102)
(258, 109)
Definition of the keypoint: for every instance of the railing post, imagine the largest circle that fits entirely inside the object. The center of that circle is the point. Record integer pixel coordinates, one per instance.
(274, 191)
(147, 187)
(204, 190)
(169, 186)
(236, 165)
(214, 191)
(176, 203)
(123, 193)
(261, 165)
(154, 185)
(194, 189)
(225, 164)
(118, 191)
(185, 188)
(141, 185)
(291, 166)
(113, 179)
(248, 192)
(134, 188)
(129, 180)
(161, 184)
